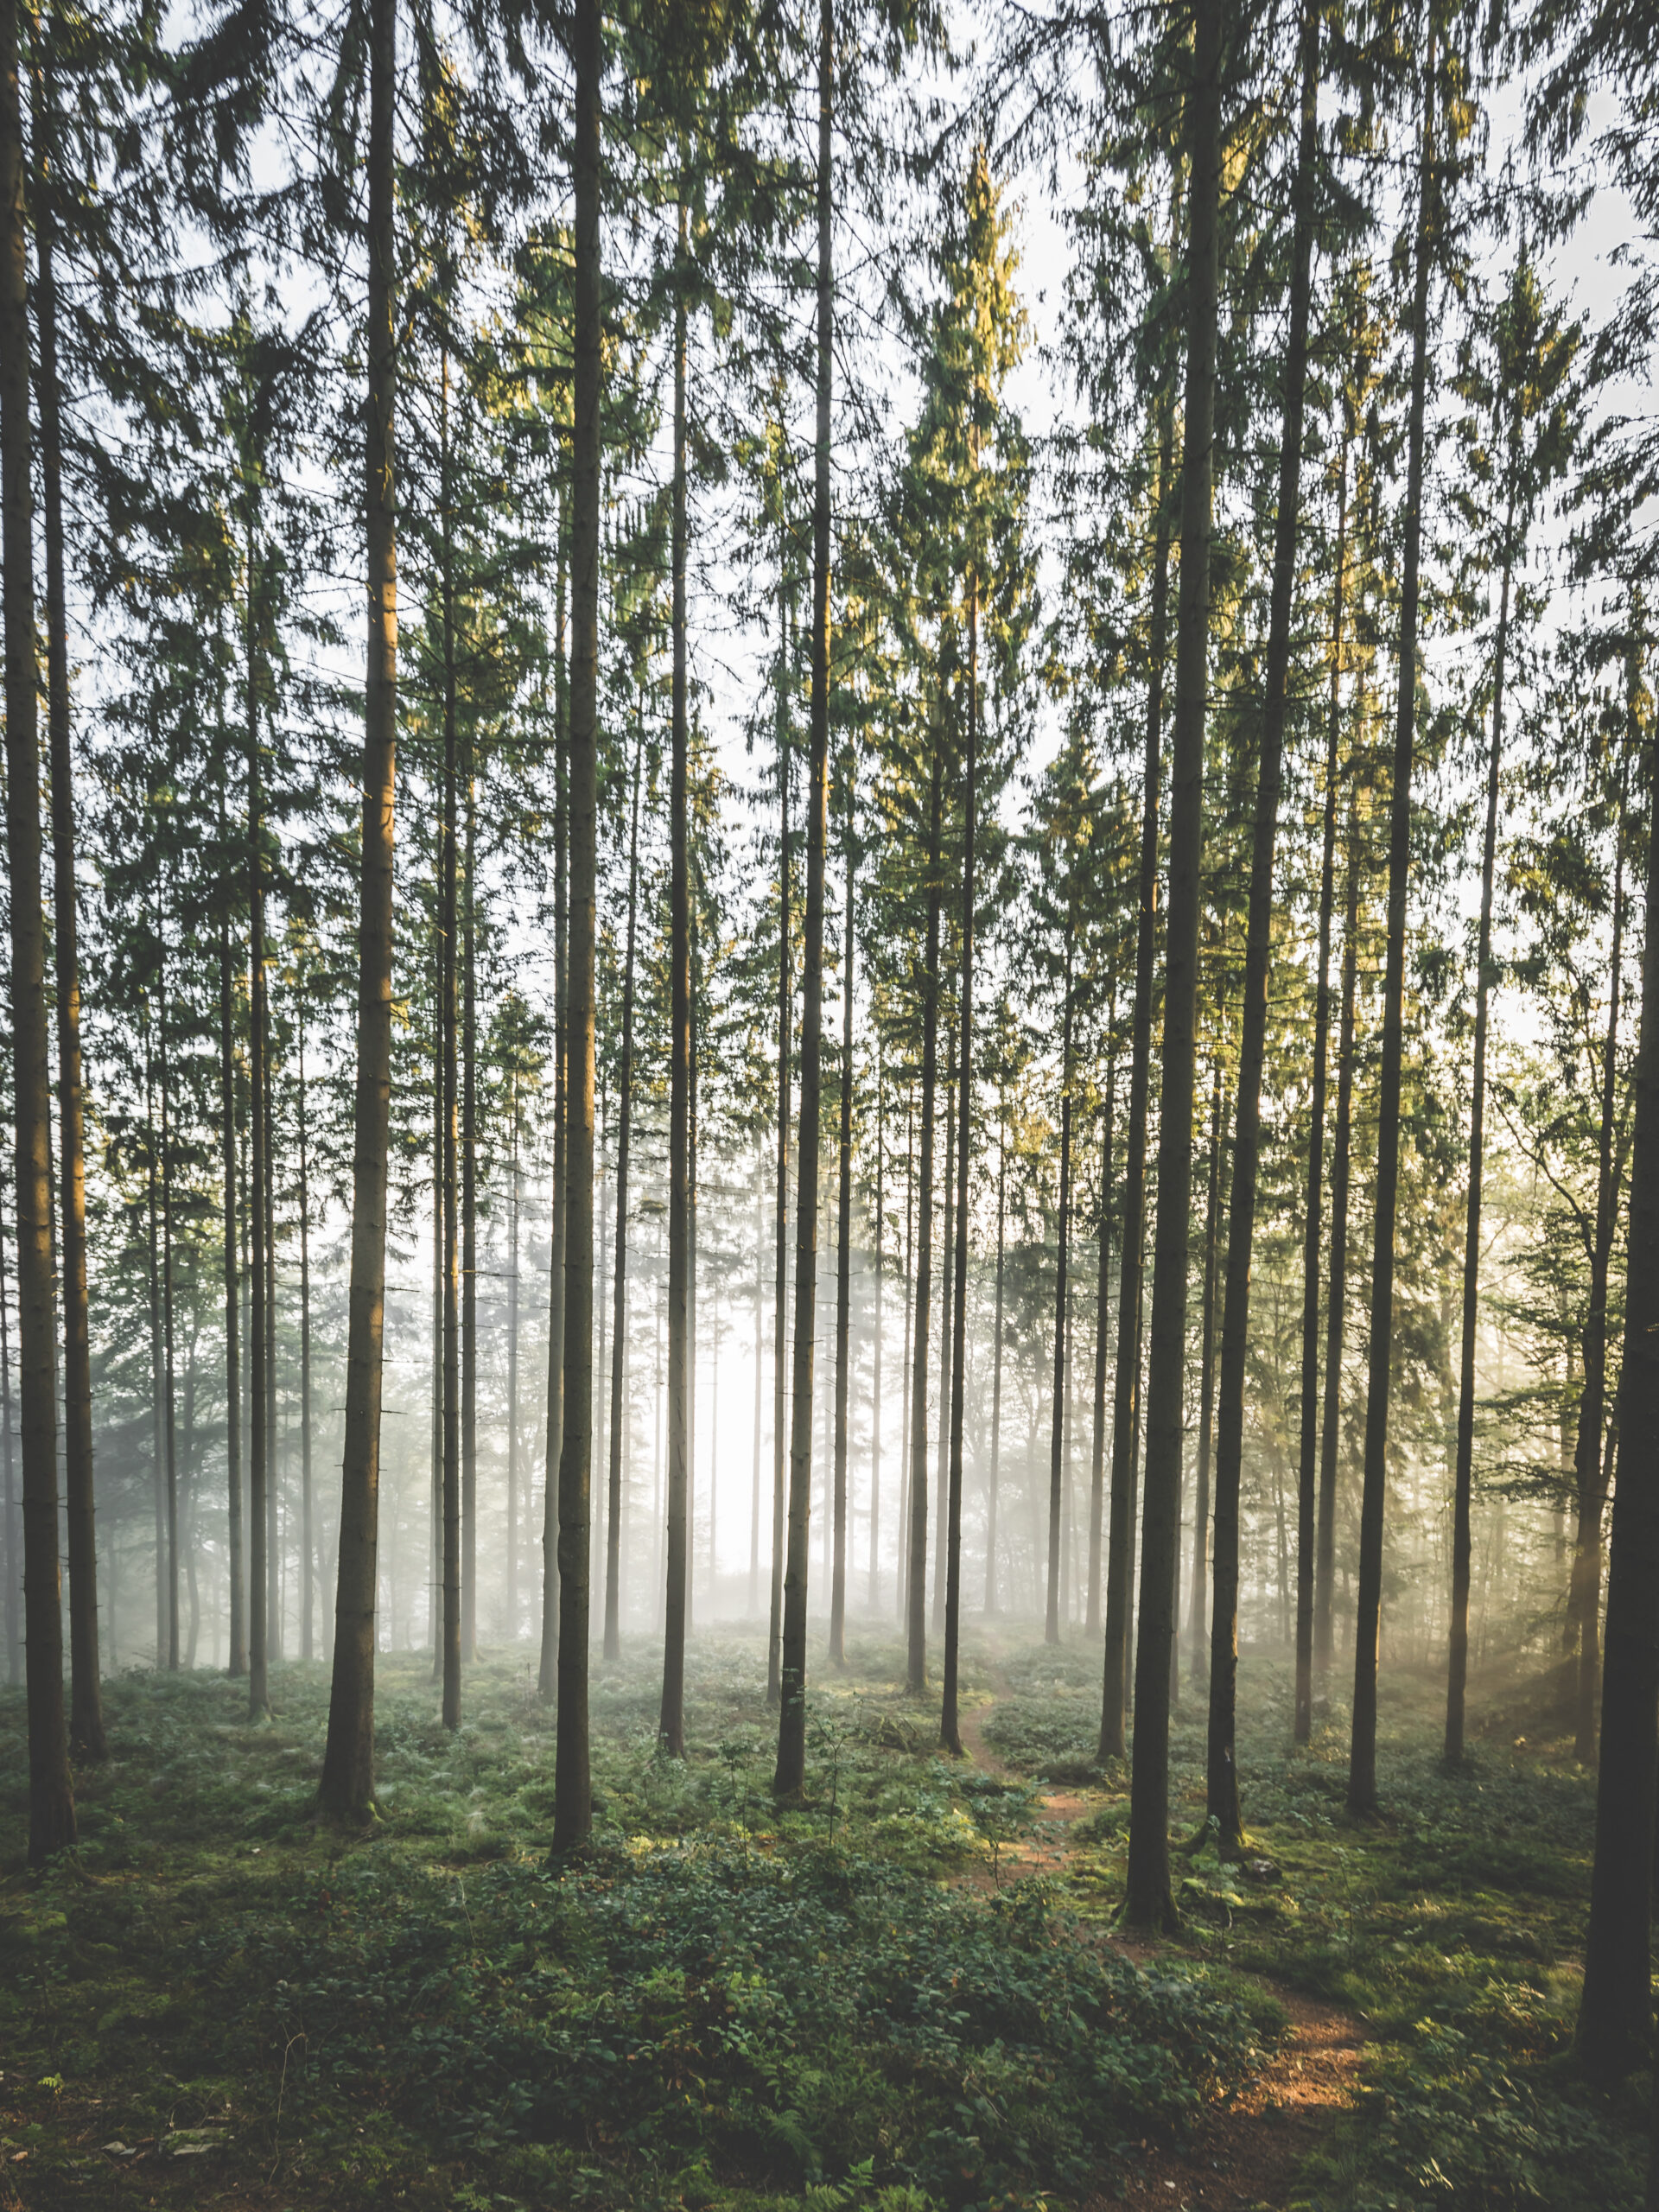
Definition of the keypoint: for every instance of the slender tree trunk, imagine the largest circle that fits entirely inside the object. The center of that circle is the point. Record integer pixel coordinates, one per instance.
(308, 1500)
(843, 1264)
(1126, 1391)
(273, 1489)
(450, 1019)
(1591, 1469)
(440, 1095)
(790, 1780)
(759, 1378)
(619, 1272)
(573, 1811)
(1057, 1440)
(86, 1700)
(1614, 2013)
(169, 1424)
(349, 1760)
(996, 1355)
(1362, 1770)
(950, 1724)
(512, 1370)
(681, 1344)
(469, 1236)
(901, 1576)
(12, 1610)
(1308, 1461)
(1147, 1899)
(1222, 1771)
(1463, 1484)
(916, 1578)
(1325, 1553)
(1102, 1330)
(947, 1334)
(237, 1563)
(548, 1675)
(875, 1346)
(1214, 1200)
(259, 1553)
(157, 1392)
(780, 1286)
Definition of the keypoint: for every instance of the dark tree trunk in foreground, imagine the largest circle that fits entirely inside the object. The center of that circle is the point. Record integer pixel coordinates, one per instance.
(1362, 1768)
(548, 1672)
(682, 1349)
(51, 1792)
(843, 1264)
(1126, 1388)
(916, 1534)
(1463, 1486)
(790, 1780)
(1198, 1617)
(1147, 1901)
(619, 1269)
(1103, 1327)
(573, 1790)
(1615, 2012)
(780, 1203)
(85, 1697)
(1308, 1440)
(1220, 1765)
(1057, 1434)
(950, 1725)
(348, 1760)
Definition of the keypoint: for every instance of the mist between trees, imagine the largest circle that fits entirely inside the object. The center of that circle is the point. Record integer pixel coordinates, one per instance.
(1049, 1021)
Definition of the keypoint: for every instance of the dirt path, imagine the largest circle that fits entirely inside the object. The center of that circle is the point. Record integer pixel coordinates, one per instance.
(1246, 2156)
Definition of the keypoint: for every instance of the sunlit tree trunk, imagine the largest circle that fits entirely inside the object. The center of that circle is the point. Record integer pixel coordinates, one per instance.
(916, 1569)
(950, 1724)
(348, 1760)
(548, 1673)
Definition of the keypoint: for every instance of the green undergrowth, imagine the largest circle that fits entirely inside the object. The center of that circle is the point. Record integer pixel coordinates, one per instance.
(1452, 1926)
(847, 2006)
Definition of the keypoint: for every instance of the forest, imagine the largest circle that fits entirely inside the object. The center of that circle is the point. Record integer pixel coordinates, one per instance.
(829, 1275)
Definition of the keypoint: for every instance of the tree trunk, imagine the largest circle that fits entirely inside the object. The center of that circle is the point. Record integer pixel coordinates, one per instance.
(573, 1809)
(85, 1699)
(10, 1612)
(307, 1500)
(1057, 1439)
(349, 1760)
(1324, 1558)
(950, 1724)
(238, 1659)
(843, 1263)
(790, 1780)
(469, 1234)
(157, 1394)
(875, 1346)
(1222, 1771)
(512, 1368)
(682, 1348)
(449, 1021)
(619, 1272)
(1463, 1486)
(1102, 1330)
(916, 1575)
(780, 1286)
(996, 1355)
(947, 1298)
(169, 1424)
(1614, 2013)
(548, 1672)
(1307, 1459)
(1147, 1901)
(1126, 1390)
(273, 1495)
(259, 1551)
(1213, 1203)
(1362, 1770)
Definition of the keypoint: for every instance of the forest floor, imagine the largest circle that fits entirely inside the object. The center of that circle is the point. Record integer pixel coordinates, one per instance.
(912, 1994)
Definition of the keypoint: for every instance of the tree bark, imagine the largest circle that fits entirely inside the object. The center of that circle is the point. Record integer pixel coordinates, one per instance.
(349, 1760)
(947, 1295)
(87, 1735)
(950, 1722)
(780, 1285)
(1221, 1764)
(619, 1271)
(449, 1023)
(469, 1231)
(843, 1262)
(1057, 1437)
(1325, 1558)
(1463, 1482)
(996, 1355)
(682, 1348)
(1126, 1389)
(1362, 1768)
(238, 1656)
(169, 1424)
(1103, 1330)
(1615, 2012)
(260, 1559)
(1213, 1203)
(790, 1780)
(572, 1807)
(307, 1500)
(916, 1577)
(1307, 1458)
(1147, 1899)
(548, 1673)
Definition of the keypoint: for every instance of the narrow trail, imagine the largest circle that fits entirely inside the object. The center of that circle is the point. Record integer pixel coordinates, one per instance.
(1246, 2156)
